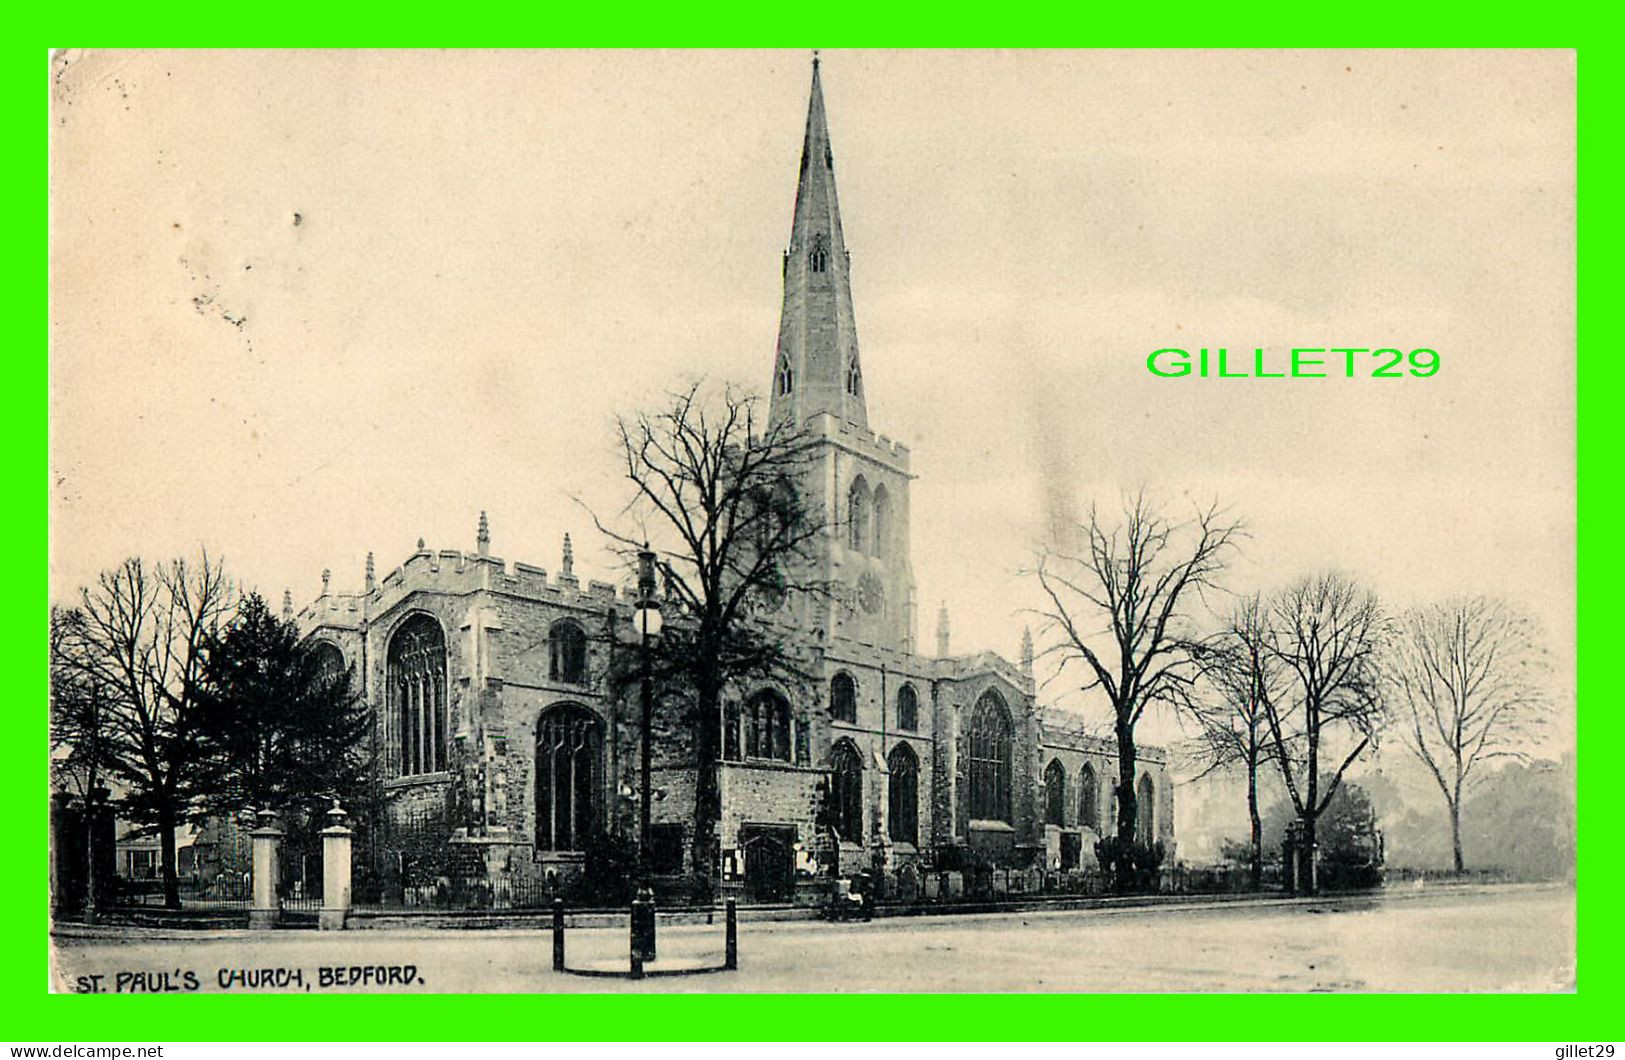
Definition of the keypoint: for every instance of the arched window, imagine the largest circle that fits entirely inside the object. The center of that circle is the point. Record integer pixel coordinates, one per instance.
(882, 522)
(767, 733)
(857, 514)
(990, 759)
(818, 257)
(843, 698)
(1055, 794)
(846, 791)
(908, 709)
(854, 378)
(415, 683)
(1145, 811)
(326, 663)
(903, 795)
(786, 376)
(568, 743)
(568, 643)
(1088, 798)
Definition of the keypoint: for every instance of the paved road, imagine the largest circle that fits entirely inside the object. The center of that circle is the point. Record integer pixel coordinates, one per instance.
(1515, 938)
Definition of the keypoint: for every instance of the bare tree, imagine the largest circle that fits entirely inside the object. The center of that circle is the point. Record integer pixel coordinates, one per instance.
(1327, 633)
(723, 488)
(1245, 676)
(1116, 613)
(81, 732)
(145, 636)
(1467, 676)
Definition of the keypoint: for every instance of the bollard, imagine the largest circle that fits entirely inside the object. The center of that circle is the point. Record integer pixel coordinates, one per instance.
(730, 954)
(558, 934)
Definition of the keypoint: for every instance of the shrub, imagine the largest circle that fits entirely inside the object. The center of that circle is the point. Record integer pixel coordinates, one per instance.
(1129, 867)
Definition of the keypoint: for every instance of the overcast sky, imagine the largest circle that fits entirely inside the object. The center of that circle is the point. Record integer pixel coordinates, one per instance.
(311, 304)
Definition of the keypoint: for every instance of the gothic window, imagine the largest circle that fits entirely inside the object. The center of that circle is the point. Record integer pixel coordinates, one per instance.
(1145, 811)
(908, 709)
(990, 759)
(786, 376)
(854, 378)
(857, 514)
(846, 789)
(843, 698)
(415, 683)
(1055, 794)
(903, 795)
(882, 521)
(326, 664)
(569, 653)
(767, 733)
(1088, 798)
(568, 743)
(818, 259)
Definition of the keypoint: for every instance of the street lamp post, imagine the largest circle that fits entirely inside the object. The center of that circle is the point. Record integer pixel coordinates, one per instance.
(647, 620)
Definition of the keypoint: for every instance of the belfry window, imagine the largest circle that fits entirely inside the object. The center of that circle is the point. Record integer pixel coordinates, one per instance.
(858, 501)
(990, 759)
(416, 687)
(568, 739)
(786, 376)
(818, 257)
(854, 378)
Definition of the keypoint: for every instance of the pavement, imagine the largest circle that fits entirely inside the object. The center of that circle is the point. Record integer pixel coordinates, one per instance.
(1508, 938)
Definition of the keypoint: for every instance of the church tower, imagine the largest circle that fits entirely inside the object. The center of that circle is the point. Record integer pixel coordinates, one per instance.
(860, 479)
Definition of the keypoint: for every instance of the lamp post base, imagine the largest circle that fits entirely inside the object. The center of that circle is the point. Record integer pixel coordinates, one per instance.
(643, 926)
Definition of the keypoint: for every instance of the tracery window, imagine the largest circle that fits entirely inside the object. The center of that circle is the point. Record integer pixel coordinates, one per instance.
(854, 378)
(1088, 798)
(767, 733)
(568, 746)
(326, 663)
(846, 790)
(415, 683)
(786, 376)
(1145, 811)
(843, 698)
(903, 794)
(1055, 794)
(568, 647)
(908, 709)
(990, 759)
(818, 258)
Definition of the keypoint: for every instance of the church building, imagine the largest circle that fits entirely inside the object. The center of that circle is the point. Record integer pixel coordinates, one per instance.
(488, 677)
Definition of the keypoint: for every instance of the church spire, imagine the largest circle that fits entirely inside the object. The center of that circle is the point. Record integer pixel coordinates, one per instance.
(817, 368)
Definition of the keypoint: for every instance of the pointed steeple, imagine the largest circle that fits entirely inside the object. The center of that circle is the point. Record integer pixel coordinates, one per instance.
(817, 368)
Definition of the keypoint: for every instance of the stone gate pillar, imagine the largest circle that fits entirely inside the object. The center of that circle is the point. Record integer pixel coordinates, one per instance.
(267, 842)
(336, 867)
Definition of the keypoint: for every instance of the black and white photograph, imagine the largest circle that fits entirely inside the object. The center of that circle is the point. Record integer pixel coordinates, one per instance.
(812, 521)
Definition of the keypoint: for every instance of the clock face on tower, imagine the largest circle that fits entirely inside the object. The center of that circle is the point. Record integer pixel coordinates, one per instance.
(871, 594)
